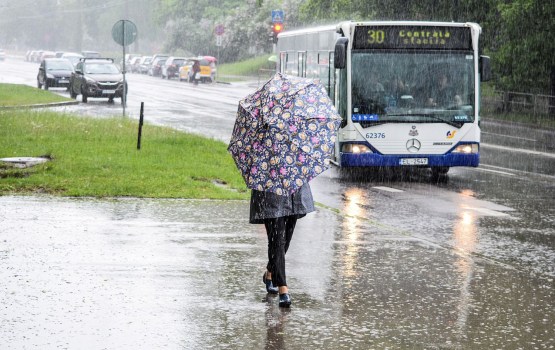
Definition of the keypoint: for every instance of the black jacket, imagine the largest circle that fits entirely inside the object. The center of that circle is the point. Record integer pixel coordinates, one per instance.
(267, 205)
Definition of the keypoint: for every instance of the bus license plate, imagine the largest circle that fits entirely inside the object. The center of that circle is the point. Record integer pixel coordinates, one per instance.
(413, 161)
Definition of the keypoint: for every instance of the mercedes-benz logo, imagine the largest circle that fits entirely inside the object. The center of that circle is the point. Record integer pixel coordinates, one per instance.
(413, 145)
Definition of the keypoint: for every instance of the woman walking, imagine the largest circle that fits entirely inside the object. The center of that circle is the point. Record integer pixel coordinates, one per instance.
(279, 215)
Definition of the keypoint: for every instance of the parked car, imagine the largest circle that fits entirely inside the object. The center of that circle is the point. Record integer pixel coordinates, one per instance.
(156, 58)
(91, 54)
(46, 54)
(171, 68)
(35, 55)
(73, 57)
(97, 77)
(186, 72)
(156, 66)
(134, 64)
(144, 64)
(54, 72)
(2, 55)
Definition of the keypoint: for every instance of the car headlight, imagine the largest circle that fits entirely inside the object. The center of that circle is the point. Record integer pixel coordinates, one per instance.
(467, 149)
(356, 148)
(49, 76)
(90, 80)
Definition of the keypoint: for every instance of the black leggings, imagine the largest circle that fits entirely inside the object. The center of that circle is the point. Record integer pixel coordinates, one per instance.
(279, 231)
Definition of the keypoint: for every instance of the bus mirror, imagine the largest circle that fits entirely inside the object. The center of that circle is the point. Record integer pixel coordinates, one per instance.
(485, 68)
(340, 53)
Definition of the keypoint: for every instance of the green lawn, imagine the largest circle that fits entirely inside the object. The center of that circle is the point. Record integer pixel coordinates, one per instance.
(99, 158)
(250, 68)
(17, 95)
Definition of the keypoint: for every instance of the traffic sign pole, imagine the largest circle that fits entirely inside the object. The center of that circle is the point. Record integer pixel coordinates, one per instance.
(124, 32)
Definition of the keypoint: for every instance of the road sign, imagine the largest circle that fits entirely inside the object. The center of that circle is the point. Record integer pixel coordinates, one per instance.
(219, 30)
(278, 16)
(219, 41)
(124, 32)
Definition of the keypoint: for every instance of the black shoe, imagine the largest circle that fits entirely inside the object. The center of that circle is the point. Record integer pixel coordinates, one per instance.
(284, 300)
(269, 285)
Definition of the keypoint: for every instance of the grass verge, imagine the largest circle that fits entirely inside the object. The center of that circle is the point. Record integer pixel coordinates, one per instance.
(99, 158)
(247, 69)
(21, 95)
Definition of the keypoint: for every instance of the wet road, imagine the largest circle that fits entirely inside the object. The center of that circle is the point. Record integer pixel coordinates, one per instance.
(388, 261)
(163, 274)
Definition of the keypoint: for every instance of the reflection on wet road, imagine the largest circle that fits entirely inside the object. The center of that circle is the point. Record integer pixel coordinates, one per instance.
(151, 274)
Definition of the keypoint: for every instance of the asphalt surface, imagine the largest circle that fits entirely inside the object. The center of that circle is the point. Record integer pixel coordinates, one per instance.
(186, 274)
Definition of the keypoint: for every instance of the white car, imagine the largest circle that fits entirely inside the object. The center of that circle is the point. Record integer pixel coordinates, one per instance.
(73, 57)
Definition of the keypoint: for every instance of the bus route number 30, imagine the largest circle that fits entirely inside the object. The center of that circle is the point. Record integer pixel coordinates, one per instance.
(376, 36)
(375, 135)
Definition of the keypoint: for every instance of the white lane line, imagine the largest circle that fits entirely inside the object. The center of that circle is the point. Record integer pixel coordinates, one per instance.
(520, 150)
(495, 171)
(508, 136)
(518, 172)
(388, 189)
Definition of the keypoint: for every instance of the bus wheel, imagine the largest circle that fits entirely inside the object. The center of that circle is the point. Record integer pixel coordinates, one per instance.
(439, 172)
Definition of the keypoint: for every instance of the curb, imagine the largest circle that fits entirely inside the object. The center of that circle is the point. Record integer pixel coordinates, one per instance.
(41, 105)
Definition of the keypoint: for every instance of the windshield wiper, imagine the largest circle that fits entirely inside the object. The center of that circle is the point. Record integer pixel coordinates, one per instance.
(457, 124)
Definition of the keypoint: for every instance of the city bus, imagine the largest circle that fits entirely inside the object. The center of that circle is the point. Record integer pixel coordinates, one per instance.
(408, 92)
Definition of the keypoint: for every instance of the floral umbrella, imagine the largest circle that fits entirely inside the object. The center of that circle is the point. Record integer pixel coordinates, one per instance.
(284, 134)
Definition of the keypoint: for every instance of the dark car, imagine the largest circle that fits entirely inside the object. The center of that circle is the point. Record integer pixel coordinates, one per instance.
(96, 77)
(54, 72)
(171, 68)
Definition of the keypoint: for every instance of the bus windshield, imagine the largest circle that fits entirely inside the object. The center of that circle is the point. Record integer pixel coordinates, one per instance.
(412, 86)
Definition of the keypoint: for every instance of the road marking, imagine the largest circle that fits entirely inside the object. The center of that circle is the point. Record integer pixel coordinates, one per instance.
(520, 172)
(508, 136)
(388, 189)
(520, 150)
(496, 171)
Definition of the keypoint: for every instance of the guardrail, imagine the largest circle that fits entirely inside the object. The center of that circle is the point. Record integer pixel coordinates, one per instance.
(510, 101)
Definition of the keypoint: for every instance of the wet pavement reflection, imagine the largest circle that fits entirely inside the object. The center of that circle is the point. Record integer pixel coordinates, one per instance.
(184, 274)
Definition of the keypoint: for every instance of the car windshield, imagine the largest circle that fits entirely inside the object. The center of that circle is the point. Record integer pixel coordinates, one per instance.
(59, 65)
(101, 68)
(413, 86)
(178, 62)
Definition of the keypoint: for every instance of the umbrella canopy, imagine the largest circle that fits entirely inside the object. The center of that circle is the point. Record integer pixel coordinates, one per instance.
(284, 134)
(210, 58)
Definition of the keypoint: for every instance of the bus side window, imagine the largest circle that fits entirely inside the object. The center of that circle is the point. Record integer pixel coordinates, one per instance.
(342, 92)
(312, 65)
(282, 62)
(301, 69)
(291, 64)
(331, 77)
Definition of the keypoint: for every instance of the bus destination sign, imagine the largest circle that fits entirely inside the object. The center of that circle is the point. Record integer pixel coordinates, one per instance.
(412, 37)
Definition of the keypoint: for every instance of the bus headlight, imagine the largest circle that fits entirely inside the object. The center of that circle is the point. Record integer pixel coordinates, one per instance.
(467, 149)
(355, 148)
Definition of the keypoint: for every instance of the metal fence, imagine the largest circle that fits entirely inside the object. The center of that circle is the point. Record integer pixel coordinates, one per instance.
(517, 102)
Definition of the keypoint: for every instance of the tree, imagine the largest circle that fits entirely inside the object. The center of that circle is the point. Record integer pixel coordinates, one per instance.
(524, 60)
